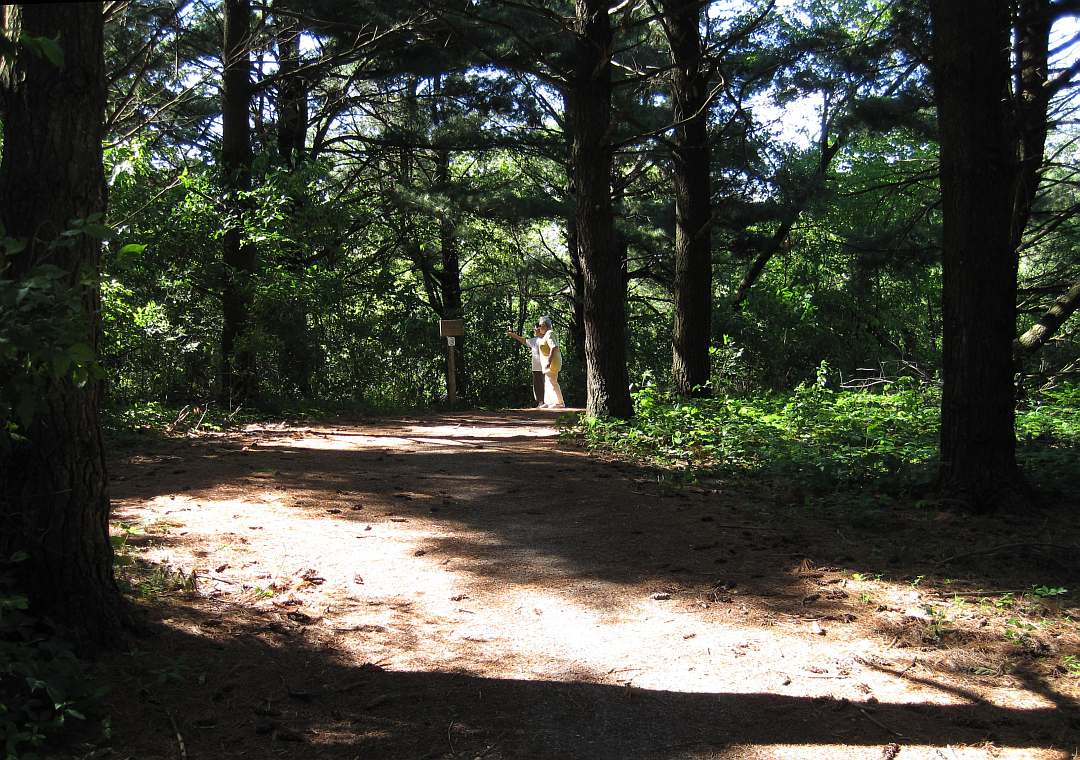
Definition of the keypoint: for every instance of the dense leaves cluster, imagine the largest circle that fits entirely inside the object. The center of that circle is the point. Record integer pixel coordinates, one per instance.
(825, 437)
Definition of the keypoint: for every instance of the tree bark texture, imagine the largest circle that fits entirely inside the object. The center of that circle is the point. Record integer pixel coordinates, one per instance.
(449, 274)
(1036, 336)
(1032, 99)
(291, 93)
(693, 260)
(604, 292)
(54, 502)
(978, 171)
(573, 376)
(298, 355)
(238, 374)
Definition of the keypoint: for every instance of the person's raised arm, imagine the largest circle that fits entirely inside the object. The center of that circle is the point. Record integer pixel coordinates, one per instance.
(516, 337)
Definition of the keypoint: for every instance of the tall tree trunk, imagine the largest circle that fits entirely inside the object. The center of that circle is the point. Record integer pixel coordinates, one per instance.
(573, 377)
(1032, 98)
(604, 292)
(693, 264)
(292, 122)
(978, 171)
(54, 502)
(297, 352)
(238, 379)
(449, 274)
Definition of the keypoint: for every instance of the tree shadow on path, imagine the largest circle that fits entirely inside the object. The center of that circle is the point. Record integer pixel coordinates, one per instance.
(513, 506)
(243, 686)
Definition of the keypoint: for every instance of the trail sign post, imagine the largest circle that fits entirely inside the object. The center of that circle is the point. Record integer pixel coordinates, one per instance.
(451, 329)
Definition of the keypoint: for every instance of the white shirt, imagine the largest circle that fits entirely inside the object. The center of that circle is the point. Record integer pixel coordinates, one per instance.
(534, 349)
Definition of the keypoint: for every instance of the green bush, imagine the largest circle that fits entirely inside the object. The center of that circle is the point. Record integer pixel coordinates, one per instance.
(43, 685)
(820, 435)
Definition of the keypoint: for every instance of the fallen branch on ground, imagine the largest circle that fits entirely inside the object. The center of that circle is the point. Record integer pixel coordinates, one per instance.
(1003, 547)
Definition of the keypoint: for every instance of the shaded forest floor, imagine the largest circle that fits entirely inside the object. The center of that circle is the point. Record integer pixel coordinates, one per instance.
(468, 585)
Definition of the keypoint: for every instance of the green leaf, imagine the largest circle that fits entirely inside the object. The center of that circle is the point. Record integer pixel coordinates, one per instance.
(97, 230)
(13, 246)
(45, 47)
(81, 353)
(128, 254)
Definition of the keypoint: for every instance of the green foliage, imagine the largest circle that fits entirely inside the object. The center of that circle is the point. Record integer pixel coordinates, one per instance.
(428, 150)
(43, 685)
(819, 434)
(42, 47)
(823, 436)
(1019, 631)
(1070, 663)
(43, 335)
(1047, 592)
(164, 580)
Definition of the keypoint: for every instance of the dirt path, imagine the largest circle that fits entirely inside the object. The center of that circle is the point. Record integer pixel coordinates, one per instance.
(467, 586)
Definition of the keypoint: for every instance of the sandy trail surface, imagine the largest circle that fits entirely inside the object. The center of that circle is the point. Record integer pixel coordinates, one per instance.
(469, 586)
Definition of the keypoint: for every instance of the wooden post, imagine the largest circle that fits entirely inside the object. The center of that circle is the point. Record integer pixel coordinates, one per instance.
(450, 329)
(451, 377)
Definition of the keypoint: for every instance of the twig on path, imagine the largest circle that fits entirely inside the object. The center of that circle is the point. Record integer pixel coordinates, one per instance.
(981, 592)
(450, 738)
(179, 737)
(349, 687)
(1002, 547)
(914, 662)
(236, 411)
(879, 724)
(741, 527)
(203, 417)
(180, 417)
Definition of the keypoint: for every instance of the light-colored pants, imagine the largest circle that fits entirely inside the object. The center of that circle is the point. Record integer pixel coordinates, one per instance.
(552, 391)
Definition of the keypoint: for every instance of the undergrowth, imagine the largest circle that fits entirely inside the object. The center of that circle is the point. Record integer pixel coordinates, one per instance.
(825, 437)
(44, 687)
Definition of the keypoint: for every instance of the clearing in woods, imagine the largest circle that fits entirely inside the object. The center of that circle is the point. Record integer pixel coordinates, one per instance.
(468, 585)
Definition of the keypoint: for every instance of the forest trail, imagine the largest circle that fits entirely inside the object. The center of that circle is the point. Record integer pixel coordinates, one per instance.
(467, 585)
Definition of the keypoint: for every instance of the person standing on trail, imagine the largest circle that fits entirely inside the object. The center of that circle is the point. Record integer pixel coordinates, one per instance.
(551, 363)
(533, 344)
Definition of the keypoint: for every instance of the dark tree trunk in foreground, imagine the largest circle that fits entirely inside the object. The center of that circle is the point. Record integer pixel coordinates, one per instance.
(237, 353)
(54, 502)
(978, 171)
(693, 264)
(604, 293)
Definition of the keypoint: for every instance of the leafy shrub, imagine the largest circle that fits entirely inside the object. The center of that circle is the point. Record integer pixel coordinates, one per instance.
(43, 686)
(43, 332)
(821, 435)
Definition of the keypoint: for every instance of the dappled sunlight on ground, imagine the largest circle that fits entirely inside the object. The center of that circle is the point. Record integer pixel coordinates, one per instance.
(520, 563)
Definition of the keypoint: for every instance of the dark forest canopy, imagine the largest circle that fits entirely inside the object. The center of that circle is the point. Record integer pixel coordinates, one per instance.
(713, 197)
